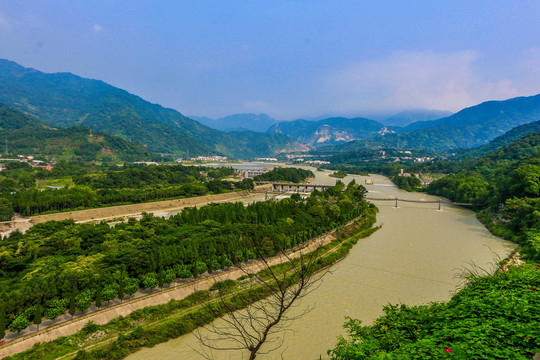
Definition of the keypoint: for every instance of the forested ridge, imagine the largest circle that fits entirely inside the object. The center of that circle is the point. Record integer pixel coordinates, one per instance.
(62, 265)
(23, 134)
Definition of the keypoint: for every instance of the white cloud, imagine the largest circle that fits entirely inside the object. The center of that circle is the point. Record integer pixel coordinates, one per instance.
(257, 106)
(414, 79)
(97, 28)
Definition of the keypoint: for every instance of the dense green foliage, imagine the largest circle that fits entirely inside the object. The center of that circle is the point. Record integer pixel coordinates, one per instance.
(26, 135)
(156, 324)
(64, 100)
(493, 317)
(408, 183)
(294, 175)
(11, 119)
(110, 186)
(340, 174)
(66, 263)
(385, 161)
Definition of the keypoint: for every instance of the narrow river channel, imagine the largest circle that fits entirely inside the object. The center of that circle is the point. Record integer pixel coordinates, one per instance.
(415, 258)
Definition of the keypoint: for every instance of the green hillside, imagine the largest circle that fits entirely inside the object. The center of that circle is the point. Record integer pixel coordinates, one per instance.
(64, 99)
(503, 140)
(28, 136)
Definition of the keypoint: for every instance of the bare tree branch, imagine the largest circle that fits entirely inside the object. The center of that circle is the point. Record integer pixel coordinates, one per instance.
(284, 280)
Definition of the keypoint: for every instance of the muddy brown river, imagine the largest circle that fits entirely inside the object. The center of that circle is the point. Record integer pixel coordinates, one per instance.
(415, 258)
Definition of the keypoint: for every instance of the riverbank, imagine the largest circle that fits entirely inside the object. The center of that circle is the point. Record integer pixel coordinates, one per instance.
(415, 258)
(159, 323)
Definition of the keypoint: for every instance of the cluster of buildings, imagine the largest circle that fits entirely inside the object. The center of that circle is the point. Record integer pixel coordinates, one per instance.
(250, 173)
(29, 160)
(214, 158)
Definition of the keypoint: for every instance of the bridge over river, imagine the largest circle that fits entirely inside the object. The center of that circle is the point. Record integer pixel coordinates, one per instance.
(285, 187)
(439, 201)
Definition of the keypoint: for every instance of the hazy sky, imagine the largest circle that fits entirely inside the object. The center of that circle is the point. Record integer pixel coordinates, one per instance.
(288, 59)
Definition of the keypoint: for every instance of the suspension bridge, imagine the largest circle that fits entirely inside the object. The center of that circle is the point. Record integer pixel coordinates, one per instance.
(439, 201)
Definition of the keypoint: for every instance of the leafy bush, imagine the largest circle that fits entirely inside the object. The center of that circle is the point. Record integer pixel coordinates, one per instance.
(493, 317)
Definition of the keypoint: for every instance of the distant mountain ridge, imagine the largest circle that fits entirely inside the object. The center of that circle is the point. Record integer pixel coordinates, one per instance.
(330, 131)
(238, 122)
(511, 136)
(64, 99)
(407, 117)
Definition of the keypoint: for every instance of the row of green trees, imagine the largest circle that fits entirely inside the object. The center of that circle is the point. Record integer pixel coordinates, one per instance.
(294, 175)
(62, 265)
(131, 185)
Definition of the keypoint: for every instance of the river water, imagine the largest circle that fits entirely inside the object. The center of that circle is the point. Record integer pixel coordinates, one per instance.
(415, 258)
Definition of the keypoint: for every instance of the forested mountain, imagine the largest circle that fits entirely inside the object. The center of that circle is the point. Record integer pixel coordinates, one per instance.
(238, 122)
(64, 99)
(329, 131)
(503, 140)
(490, 117)
(407, 117)
(470, 127)
(27, 135)
(254, 144)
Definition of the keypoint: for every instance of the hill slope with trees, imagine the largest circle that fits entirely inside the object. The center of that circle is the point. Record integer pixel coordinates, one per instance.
(27, 135)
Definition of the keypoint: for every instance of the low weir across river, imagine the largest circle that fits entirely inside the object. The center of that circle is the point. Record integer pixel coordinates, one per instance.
(287, 187)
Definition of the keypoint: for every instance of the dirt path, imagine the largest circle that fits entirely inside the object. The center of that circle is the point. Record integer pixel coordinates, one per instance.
(135, 209)
(174, 292)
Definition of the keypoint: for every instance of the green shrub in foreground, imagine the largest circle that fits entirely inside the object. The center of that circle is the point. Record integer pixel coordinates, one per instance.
(493, 317)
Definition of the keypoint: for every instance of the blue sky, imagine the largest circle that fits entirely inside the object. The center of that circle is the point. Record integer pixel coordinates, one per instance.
(288, 59)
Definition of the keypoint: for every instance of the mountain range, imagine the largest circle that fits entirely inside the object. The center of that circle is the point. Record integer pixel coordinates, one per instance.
(330, 131)
(64, 99)
(407, 117)
(470, 127)
(238, 122)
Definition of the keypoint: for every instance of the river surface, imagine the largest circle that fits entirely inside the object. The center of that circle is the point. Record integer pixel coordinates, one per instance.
(415, 258)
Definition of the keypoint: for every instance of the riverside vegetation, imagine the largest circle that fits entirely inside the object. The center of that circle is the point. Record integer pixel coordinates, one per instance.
(62, 266)
(156, 324)
(495, 316)
(105, 185)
